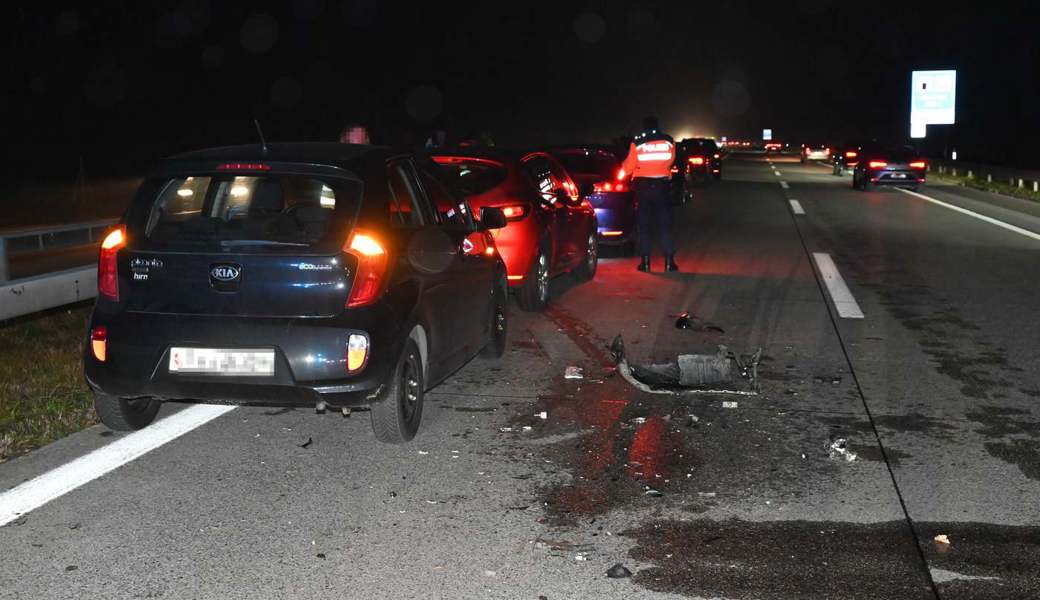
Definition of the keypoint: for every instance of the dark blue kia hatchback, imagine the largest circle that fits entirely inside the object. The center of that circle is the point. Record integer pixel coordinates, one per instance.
(296, 274)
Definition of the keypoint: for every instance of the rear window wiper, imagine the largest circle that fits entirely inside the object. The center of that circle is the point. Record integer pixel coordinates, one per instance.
(237, 243)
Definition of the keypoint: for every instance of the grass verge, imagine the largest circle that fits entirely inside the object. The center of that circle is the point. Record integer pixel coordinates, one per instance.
(42, 393)
(995, 187)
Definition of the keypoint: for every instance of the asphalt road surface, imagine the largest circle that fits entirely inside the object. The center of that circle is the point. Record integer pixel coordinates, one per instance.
(927, 365)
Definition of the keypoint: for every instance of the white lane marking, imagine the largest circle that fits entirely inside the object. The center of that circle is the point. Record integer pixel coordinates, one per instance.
(840, 294)
(796, 206)
(1030, 234)
(784, 185)
(777, 173)
(56, 483)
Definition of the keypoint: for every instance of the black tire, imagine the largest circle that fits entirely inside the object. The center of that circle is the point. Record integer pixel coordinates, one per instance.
(398, 411)
(533, 295)
(496, 346)
(122, 414)
(590, 262)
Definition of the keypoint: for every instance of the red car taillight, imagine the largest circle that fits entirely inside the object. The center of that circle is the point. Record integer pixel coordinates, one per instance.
(918, 164)
(108, 268)
(877, 164)
(515, 213)
(371, 270)
(696, 160)
(851, 154)
(609, 186)
(99, 342)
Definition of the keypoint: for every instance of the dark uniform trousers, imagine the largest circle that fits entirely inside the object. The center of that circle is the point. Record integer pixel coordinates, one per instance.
(655, 208)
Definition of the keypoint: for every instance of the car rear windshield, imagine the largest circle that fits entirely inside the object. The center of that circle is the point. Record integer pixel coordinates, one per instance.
(473, 177)
(589, 162)
(267, 210)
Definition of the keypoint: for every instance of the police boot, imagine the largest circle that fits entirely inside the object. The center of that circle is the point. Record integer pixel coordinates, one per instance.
(644, 264)
(669, 263)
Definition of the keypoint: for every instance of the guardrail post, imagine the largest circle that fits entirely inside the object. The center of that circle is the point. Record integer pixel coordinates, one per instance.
(4, 272)
(955, 172)
(1036, 186)
(1021, 183)
(969, 173)
(989, 178)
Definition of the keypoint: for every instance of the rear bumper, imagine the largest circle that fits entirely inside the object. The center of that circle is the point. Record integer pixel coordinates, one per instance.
(615, 217)
(892, 178)
(310, 358)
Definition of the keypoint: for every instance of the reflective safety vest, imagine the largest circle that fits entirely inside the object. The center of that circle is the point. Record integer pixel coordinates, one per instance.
(649, 155)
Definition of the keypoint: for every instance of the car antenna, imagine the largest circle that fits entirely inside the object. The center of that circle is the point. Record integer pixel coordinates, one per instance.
(260, 132)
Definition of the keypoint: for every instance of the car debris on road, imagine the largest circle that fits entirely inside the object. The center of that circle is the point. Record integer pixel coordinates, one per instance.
(618, 571)
(838, 447)
(573, 373)
(694, 323)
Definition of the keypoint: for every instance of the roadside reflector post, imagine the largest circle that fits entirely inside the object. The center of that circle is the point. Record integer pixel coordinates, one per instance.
(1021, 183)
(989, 178)
(955, 172)
(969, 174)
(1036, 186)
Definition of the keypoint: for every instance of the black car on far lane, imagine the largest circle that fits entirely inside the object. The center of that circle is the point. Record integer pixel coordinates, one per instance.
(899, 166)
(299, 274)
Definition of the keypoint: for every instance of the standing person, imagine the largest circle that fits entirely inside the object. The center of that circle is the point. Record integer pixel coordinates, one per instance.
(649, 162)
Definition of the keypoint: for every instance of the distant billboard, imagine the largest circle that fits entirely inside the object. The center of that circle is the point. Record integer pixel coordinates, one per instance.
(933, 100)
(767, 134)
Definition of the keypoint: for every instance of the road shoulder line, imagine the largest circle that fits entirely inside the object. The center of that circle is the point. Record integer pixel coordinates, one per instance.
(844, 302)
(59, 481)
(1014, 228)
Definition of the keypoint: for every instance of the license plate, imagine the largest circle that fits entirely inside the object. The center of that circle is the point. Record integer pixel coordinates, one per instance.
(217, 361)
(898, 175)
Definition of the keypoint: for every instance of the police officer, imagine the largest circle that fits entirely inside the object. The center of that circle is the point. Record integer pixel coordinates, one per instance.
(649, 162)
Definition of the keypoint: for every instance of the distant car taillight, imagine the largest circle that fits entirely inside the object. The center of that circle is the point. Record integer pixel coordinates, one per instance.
(108, 268)
(608, 186)
(515, 213)
(371, 270)
(918, 164)
(808, 151)
(357, 352)
(99, 342)
(851, 154)
(877, 164)
(696, 160)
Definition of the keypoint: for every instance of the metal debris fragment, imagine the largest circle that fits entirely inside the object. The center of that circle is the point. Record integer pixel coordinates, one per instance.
(690, 373)
(838, 447)
(306, 444)
(618, 571)
(573, 373)
(695, 323)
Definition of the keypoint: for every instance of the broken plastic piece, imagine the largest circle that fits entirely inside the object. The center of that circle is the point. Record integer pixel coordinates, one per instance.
(573, 373)
(543, 415)
(653, 493)
(942, 538)
(618, 571)
(307, 443)
(729, 404)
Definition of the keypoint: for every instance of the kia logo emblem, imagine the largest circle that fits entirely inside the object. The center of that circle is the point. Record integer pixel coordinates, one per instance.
(225, 272)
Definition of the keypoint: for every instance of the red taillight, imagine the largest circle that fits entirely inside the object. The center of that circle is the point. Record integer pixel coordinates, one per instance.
(808, 151)
(877, 164)
(371, 269)
(918, 164)
(108, 268)
(99, 342)
(696, 160)
(851, 154)
(243, 167)
(515, 213)
(608, 186)
(715, 156)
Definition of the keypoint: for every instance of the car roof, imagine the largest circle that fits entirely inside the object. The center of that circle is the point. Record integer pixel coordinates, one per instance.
(325, 153)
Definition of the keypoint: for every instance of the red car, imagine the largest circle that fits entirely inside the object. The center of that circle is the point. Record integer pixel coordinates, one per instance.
(550, 228)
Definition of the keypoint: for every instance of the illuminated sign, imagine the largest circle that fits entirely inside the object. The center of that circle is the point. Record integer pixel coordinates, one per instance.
(933, 100)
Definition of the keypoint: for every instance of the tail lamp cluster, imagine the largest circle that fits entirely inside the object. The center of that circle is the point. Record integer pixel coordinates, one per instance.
(609, 186)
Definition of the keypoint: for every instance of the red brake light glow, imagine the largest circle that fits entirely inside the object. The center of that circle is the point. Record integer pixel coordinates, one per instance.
(243, 167)
(515, 213)
(108, 268)
(918, 164)
(99, 342)
(696, 160)
(371, 269)
(877, 164)
(851, 154)
(607, 186)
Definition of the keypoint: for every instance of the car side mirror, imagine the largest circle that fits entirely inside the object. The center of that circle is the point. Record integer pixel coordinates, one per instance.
(492, 217)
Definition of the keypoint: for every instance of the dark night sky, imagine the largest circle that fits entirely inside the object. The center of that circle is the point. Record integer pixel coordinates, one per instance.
(123, 83)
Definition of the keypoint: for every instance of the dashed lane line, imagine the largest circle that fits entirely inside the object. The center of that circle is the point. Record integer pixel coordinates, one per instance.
(842, 297)
(56, 483)
(784, 185)
(796, 206)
